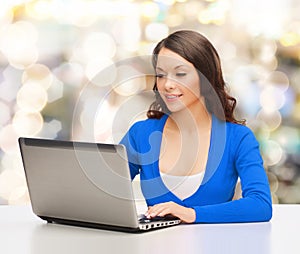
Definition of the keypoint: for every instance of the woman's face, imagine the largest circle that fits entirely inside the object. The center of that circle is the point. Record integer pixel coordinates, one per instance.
(177, 81)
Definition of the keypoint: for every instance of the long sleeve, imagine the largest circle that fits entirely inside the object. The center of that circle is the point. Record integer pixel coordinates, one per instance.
(255, 204)
(132, 154)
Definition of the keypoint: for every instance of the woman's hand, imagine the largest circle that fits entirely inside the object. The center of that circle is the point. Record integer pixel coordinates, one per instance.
(185, 214)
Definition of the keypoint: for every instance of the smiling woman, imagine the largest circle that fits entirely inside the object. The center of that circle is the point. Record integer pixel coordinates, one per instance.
(193, 50)
(192, 143)
(171, 70)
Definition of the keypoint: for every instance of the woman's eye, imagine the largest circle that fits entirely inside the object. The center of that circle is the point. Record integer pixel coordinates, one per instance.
(159, 75)
(180, 74)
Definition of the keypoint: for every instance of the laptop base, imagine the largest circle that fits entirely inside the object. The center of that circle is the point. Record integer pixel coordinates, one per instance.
(85, 224)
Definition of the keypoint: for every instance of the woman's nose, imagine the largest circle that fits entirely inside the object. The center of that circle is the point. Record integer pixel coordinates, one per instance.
(170, 83)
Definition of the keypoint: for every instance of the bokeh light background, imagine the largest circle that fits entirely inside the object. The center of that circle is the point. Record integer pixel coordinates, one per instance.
(49, 49)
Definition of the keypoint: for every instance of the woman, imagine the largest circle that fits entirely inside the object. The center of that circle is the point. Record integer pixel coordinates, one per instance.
(191, 150)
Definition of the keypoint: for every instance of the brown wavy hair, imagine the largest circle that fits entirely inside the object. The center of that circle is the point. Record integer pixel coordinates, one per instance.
(198, 50)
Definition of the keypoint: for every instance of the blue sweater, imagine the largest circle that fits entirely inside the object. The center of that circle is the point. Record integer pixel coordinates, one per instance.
(233, 152)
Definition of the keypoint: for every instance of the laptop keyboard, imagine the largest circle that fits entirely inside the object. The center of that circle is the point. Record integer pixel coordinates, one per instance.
(144, 219)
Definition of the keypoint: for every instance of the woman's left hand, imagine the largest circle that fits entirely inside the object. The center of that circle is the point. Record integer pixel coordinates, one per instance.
(185, 214)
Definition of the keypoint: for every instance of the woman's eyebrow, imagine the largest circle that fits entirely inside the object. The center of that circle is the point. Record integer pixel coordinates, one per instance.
(159, 68)
(176, 67)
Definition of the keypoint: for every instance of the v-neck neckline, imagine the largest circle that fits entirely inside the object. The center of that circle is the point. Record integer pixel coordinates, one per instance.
(211, 143)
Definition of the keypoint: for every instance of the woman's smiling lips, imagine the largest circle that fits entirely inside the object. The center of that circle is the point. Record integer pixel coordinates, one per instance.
(172, 97)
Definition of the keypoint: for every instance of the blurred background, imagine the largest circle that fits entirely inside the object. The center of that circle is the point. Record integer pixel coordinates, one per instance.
(51, 50)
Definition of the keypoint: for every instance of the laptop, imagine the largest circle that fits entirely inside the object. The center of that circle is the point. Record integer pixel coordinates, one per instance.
(83, 184)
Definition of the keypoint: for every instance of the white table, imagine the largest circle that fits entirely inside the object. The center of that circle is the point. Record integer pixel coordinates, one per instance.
(22, 232)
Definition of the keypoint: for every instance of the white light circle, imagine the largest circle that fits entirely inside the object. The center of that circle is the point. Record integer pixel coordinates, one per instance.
(156, 31)
(9, 139)
(32, 97)
(27, 124)
(273, 153)
(272, 99)
(5, 114)
(38, 73)
(271, 120)
(98, 45)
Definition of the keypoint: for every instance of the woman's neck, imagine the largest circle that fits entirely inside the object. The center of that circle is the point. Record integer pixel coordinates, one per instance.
(193, 118)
